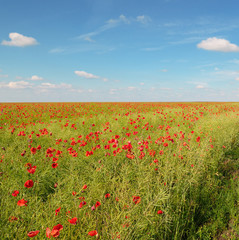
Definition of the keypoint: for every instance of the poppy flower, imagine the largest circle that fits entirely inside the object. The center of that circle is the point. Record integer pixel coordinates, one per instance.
(160, 212)
(57, 210)
(29, 184)
(136, 199)
(48, 232)
(73, 221)
(12, 218)
(33, 150)
(97, 204)
(82, 204)
(93, 233)
(54, 165)
(15, 193)
(32, 233)
(107, 195)
(198, 139)
(56, 230)
(22, 202)
(84, 187)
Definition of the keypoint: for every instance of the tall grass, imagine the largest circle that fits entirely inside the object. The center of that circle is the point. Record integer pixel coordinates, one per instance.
(176, 183)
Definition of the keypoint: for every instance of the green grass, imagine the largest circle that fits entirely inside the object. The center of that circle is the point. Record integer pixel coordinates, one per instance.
(194, 183)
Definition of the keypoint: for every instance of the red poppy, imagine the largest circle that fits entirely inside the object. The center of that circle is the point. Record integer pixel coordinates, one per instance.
(160, 212)
(33, 150)
(48, 232)
(198, 139)
(15, 193)
(54, 165)
(93, 233)
(29, 184)
(97, 204)
(84, 187)
(107, 195)
(82, 204)
(22, 202)
(56, 230)
(136, 199)
(57, 210)
(12, 218)
(73, 221)
(32, 233)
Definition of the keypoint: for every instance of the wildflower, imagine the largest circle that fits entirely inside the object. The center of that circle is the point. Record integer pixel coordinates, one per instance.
(22, 202)
(33, 150)
(54, 165)
(29, 184)
(97, 204)
(73, 221)
(15, 193)
(107, 195)
(93, 233)
(12, 218)
(84, 187)
(82, 204)
(33, 233)
(160, 212)
(136, 199)
(57, 210)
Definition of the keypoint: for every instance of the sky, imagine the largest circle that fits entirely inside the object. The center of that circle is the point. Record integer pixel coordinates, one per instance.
(119, 50)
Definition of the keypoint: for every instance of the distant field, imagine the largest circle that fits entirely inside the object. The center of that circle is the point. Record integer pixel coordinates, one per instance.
(118, 170)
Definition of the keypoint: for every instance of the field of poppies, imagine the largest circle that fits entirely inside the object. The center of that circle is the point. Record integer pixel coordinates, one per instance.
(118, 170)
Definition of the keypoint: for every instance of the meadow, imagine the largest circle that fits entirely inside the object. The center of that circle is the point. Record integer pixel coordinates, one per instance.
(119, 170)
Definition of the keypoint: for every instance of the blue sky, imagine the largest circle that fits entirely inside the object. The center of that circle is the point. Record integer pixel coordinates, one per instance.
(126, 50)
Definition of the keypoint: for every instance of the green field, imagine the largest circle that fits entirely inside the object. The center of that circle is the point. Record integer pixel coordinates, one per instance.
(119, 171)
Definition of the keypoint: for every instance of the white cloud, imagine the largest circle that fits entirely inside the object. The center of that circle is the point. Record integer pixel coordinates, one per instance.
(143, 19)
(123, 19)
(18, 40)
(142, 83)
(85, 74)
(35, 78)
(57, 50)
(164, 70)
(50, 85)
(217, 44)
(131, 88)
(237, 78)
(200, 86)
(105, 79)
(112, 23)
(16, 85)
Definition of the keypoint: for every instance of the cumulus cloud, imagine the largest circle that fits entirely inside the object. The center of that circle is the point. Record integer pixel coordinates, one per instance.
(35, 78)
(16, 85)
(143, 19)
(19, 40)
(218, 44)
(200, 86)
(85, 75)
